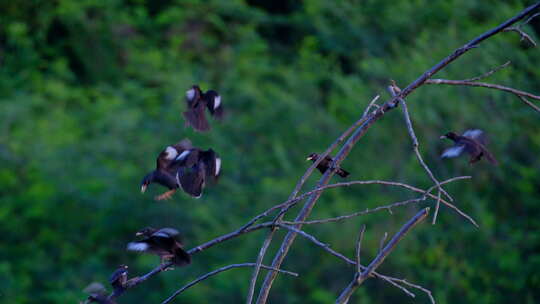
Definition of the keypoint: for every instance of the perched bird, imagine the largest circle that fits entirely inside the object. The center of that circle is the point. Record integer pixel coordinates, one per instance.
(118, 279)
(325, 164)
(472, 142)
(197, 101)
(163, 242)
(165, 172)
(97, 294)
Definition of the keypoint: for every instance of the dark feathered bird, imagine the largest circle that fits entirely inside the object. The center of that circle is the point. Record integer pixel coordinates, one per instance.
(325, 164)
(163, 242)
(196, 168)
(118, 279)
(472, 142)
(184, 166)
(166, 169)
(97, 294)
(197, 102)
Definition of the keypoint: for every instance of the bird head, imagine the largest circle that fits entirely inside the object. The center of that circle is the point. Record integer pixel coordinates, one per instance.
(449, 135)
(313, 156)
(147, 180)
(147, 231)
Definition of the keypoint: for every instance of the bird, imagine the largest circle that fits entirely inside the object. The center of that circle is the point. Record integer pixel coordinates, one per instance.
(325, 164)
(197, 101)
(118, 279)
(473, 142)
(163, 242)
(195, 168)
(183, 166)
(97, 294)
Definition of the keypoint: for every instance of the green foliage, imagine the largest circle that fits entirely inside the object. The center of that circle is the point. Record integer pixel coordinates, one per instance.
(91, 91)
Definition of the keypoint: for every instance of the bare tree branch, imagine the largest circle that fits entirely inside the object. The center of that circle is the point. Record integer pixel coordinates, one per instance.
(362, 129)
(379, 259)
(222, 269)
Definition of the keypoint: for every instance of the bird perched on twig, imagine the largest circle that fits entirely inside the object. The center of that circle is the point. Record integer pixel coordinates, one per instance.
(182, 165)
(473, 142)
(162, 242)
(197, 102)
(118, 279)
(97, 294)
(325, 164)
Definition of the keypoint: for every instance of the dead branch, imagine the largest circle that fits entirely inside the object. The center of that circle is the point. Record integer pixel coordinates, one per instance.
(214, 272)
(359, 278)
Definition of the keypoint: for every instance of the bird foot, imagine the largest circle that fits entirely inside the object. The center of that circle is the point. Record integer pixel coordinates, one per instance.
(165, 196)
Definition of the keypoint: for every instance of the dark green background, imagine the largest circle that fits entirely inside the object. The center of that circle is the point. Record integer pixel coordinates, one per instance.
(92, 90)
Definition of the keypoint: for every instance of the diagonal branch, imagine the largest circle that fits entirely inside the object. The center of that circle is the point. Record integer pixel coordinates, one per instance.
(379, 259)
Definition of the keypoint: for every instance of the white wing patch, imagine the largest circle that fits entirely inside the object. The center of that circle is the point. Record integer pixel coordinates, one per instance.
(190, 94)
(171, 152)
(183, 155)
(218, 166)
(453, 152)
(474, 134)
(137, 246)
(217, 101)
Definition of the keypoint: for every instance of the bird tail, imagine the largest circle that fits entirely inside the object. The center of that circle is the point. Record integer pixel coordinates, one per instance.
(490, 158)
(342, 172)
(181, 257)
(197, 120)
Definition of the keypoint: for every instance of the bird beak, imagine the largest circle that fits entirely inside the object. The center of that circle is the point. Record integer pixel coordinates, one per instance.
(442, 137)
(138, 234)
(309, 158)
(143, 188)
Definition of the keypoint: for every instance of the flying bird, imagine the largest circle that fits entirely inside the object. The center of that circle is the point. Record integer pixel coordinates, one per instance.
(97, 294)
(162, 242)
(197, 102)
(118, 279)
(184, 166)
(166, 169)
(194, 168)
(473, 142)
(325, 164)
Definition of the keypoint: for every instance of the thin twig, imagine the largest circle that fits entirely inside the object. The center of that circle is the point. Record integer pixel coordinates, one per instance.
(487, 74)
(530, 104)
(379, 259)
(222, 269)
(394, 90)
(359, 246)
(522, 34)
(483, 85)
(372, 103)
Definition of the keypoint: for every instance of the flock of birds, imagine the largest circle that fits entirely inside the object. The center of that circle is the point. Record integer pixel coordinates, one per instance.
(183, 166)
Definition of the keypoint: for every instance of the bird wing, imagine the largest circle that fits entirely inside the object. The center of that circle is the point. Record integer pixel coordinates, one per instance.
(166, 232)
(184, 144)
(192, 95)
(196, 118)
(192, 179)
(213, 103)
(212, 163)
(477, 135)
(453, 151)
